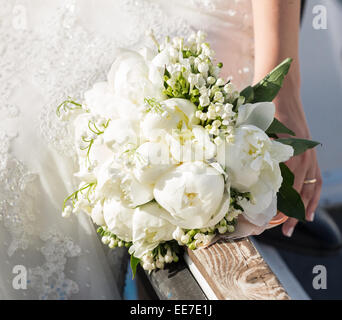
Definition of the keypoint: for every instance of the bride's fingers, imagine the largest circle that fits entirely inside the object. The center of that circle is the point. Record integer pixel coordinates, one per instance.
(310, 211)
(289, 226)
(308, 191)
(300, 175)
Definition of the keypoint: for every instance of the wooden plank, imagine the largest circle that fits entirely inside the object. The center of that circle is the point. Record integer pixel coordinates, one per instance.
(176, 283)
(235, 270)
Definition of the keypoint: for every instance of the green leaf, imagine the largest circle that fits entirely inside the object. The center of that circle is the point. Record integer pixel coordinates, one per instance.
(289, 200)
(134, 264)
(290, 203)
(287, 174)
(248, 93)
(268, 88)
(299, 145)
(277, 127)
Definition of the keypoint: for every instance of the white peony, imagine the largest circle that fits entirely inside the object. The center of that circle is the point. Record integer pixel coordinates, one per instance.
(176, 113)
(251, 154)
(263, 204)
(118, 219)
(191, 145)
(120, 133)
(252, 162)
(99, 100)
(97, 214)
(134, 78)
(114, 181)
(108, 181)
(193, 195)
(152, 159)
(149, 229)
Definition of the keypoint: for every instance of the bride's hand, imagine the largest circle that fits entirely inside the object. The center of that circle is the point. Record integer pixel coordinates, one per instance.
(276, 30)
(305, 166)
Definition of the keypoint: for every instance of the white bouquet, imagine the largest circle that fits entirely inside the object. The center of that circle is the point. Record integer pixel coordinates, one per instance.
(170, 154)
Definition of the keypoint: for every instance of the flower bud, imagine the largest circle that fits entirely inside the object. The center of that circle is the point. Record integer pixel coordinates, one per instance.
(67, 212)
(220, 82)
(211, 80)
(185, 238)
(105, 240)
(192, 246)
(230, 228)
(159, 264)
(203, 67)
(218, 141)
(168, 258)
(222, 230)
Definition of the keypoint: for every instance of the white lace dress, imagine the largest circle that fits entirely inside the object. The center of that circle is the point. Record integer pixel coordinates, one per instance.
(50, 50)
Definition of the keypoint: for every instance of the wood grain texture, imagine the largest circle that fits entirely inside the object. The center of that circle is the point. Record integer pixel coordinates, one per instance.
(236, 271)
(175, 283)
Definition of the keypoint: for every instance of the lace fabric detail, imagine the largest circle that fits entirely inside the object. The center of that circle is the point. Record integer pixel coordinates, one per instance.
(49, 280)
(15, 200)
(17, 214)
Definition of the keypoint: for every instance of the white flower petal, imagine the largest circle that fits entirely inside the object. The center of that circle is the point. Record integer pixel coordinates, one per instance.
(259, 114)
(152, 161)
(118, 219)
(97, 215)
(149, 229)
(129, 77)
(139, 193)
(192, 194)
(281, 152)
(263, 205)
(121, 132)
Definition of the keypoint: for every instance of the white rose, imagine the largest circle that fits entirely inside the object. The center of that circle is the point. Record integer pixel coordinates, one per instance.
(193, 195)
(118, 219)
(152, 159)
(149, 229)
(134, 78)
(177, 111)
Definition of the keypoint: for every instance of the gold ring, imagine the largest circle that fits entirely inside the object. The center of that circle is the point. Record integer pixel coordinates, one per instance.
(310, 181)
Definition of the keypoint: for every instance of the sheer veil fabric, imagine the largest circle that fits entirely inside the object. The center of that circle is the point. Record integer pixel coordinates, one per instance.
(51, 50)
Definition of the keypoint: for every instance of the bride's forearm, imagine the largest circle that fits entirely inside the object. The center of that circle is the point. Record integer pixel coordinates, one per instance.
(276, 32)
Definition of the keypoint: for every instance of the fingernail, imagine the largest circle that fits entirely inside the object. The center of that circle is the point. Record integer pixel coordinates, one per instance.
(289, 232)
(311, 217)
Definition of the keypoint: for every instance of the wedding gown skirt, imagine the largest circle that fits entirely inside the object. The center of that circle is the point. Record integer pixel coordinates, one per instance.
(51, 50)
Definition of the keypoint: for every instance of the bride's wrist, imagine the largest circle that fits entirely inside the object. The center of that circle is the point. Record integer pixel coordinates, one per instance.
(289, 110)
(292, 80)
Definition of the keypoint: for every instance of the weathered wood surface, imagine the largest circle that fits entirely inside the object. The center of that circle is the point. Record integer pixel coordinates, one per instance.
(235, 270)
(175, 283)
